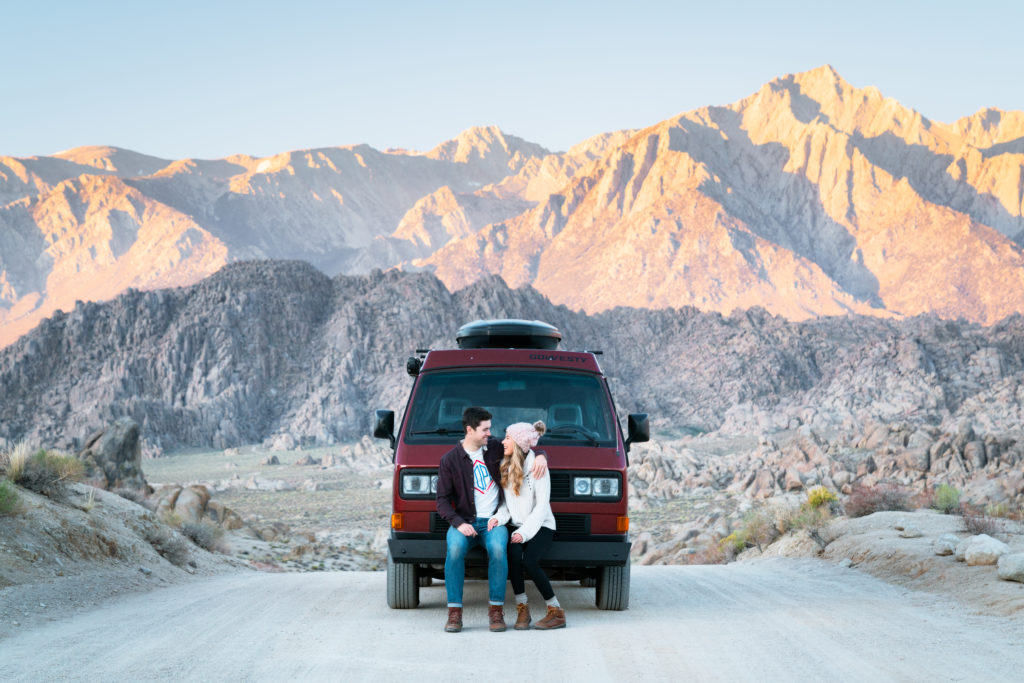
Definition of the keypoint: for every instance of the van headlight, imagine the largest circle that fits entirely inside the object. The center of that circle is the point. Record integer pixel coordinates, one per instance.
(597, 487)
(419, 484)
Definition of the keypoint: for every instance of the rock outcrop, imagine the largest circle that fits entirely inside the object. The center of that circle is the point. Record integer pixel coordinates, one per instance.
(113, 457)
(276, 352)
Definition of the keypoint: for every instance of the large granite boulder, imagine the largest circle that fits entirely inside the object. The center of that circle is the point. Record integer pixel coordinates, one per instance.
(113, 457)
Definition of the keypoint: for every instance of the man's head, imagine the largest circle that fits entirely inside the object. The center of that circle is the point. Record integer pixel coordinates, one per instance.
(477, 423)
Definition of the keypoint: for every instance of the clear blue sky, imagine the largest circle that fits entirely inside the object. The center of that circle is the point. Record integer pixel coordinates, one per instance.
(209, 79)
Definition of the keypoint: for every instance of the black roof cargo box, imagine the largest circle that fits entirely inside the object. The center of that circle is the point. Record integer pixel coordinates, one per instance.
(508, 334)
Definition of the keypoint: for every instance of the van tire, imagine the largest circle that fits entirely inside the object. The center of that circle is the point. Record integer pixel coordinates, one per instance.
(613, 588)
(403, 585)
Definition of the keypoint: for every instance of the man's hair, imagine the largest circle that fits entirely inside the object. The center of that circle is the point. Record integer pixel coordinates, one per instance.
(473, 416)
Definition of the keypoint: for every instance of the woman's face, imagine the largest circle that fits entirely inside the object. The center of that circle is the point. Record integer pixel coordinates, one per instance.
(507, 443)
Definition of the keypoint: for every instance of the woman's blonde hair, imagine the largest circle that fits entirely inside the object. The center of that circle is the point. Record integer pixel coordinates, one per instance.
(512, 465)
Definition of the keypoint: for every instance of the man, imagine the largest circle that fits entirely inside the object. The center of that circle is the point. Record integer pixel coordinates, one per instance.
(468, 494)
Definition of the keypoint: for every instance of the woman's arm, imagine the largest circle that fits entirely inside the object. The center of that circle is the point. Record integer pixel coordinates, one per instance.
(501, 516)
(541, 507)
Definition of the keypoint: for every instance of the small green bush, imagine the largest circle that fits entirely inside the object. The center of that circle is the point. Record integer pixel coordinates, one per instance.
(947, 499)
(8, 497)
(733, 544)
(809, 518)
(759, 528)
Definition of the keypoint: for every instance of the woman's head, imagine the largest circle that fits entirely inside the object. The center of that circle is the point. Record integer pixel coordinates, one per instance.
(519, 439)
(524, 435)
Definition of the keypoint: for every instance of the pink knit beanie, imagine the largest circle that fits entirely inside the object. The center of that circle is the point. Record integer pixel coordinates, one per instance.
(525, 435)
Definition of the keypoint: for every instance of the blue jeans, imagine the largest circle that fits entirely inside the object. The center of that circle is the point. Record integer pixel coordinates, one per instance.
(494, 542)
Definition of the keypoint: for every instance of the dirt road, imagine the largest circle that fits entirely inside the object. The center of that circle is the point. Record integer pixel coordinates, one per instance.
(770, 620)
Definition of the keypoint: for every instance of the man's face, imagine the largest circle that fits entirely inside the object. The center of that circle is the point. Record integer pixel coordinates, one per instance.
(475, 438)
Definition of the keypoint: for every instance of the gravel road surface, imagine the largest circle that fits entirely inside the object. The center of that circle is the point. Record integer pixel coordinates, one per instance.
(768, 620)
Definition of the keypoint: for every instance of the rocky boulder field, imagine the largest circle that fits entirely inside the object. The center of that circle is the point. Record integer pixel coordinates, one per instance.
(698, 499)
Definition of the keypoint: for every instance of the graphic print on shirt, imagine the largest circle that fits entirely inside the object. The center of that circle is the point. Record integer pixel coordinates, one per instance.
(482, 480)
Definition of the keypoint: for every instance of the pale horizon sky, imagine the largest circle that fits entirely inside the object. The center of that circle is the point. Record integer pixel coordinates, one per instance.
(211, 79)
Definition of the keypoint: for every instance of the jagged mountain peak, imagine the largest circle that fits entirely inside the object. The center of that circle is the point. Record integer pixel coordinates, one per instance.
(123, 162)
(484, 143)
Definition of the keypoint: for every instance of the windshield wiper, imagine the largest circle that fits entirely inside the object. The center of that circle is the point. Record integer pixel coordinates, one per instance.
(556, 432)
(445, 431)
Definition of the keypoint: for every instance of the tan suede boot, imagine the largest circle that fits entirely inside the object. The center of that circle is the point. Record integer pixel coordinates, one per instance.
(454, 623)
(496, 617)
(555, 618)
(522, 617)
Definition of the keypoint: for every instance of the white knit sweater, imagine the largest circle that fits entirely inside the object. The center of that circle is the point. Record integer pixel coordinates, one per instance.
(531, 509)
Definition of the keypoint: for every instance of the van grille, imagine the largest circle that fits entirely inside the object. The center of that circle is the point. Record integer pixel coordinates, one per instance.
(560, 486)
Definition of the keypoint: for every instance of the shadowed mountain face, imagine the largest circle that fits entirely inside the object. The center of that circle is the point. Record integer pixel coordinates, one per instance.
(810, 197)
(272, 348)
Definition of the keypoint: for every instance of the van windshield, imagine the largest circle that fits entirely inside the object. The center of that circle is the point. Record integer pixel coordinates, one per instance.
(575, 407)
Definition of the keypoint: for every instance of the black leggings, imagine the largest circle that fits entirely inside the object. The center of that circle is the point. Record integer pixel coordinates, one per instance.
(527, 556)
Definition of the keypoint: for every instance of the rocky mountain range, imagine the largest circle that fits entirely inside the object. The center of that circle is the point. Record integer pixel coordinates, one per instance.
(809, 197)
(279, 353)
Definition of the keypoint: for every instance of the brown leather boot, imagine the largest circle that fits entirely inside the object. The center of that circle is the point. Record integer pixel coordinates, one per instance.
(522, 617)
(555, 618)
(496, 616)
(454, 624)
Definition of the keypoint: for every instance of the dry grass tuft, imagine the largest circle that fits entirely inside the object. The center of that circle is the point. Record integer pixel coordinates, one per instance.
(13, 462)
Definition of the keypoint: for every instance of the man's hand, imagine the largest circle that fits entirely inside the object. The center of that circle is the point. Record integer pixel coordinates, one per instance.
(540, 466)
(517, 537)
(467, 529)
(491, 523)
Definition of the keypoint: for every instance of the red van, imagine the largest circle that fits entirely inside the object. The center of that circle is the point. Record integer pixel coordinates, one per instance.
(514, 369)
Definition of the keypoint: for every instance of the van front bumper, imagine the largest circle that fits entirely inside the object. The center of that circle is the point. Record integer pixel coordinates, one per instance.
(605, 553)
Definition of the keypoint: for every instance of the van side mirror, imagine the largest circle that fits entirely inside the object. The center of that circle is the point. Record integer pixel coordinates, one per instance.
(385, 426)
(639, 429)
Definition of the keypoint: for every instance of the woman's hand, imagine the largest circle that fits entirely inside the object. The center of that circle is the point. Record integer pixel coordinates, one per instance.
(491, 523)
(517, 537)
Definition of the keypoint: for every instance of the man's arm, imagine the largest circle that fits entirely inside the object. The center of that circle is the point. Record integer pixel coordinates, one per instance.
(446, 493)
(540, 464)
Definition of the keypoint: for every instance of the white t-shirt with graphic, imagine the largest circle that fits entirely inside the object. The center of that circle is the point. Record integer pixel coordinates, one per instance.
(485, 490)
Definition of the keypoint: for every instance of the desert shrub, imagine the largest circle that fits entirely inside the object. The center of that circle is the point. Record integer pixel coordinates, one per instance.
(8, 497)
(807, 517)
(171, 518)
(947, 499)
(733, 544)
(1002, 510)
(865, 500)
(170, 545)
(710, 554)
(758, 528)
(49, 472)
(976, 523)
(134, 495)
(820, 496)
(206, 535)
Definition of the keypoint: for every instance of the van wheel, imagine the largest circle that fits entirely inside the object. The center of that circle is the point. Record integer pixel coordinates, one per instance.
(588, 581)
(425, 580)
(403, 586)
(613, 588)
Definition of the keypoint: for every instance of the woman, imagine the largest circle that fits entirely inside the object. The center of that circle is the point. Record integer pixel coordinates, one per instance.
(527, 505)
